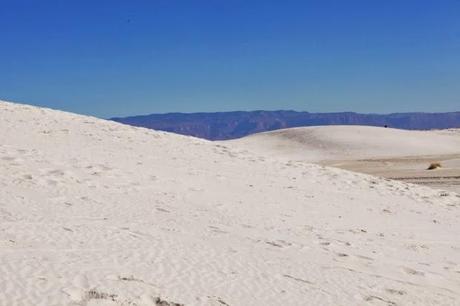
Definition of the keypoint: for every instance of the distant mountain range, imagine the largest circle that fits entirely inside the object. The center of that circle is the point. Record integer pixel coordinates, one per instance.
(229, 125)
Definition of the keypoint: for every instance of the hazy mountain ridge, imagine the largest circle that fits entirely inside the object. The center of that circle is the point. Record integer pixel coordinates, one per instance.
(229, 125)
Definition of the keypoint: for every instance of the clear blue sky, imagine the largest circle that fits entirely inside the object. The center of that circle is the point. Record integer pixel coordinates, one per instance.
(114, 58)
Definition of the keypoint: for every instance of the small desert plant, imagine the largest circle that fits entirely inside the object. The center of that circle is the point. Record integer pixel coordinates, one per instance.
(434, 165)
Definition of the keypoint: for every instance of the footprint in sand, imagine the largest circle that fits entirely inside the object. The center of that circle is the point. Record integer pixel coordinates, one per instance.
(395, 291)
(413, 272)
(279, 243)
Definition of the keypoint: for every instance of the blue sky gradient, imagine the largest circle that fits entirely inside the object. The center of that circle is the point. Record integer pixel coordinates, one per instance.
(117, 58)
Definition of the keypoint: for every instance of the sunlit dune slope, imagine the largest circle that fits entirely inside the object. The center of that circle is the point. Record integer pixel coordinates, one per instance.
(350, 142)
(93, 212)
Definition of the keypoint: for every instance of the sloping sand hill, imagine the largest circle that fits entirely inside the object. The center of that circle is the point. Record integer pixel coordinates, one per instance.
(321, 143)
(97, 213)
(391, 153)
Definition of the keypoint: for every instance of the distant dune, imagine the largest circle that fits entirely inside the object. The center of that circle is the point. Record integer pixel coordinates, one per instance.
(94, 212)
(350, 142)
(230, 125)
(386, 152)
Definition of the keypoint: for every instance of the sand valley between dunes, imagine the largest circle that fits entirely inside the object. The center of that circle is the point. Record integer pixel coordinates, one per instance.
(412, 169)
(93, 212)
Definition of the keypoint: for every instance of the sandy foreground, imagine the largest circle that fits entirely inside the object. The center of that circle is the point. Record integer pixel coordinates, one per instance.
(98, 213)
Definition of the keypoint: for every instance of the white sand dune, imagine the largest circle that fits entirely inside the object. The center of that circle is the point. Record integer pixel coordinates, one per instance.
(339, 142)
(386, 152)
(97, 213)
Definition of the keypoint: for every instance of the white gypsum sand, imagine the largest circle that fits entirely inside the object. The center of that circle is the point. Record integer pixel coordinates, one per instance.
(98, 213)
(386, 152)
(349, 142)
